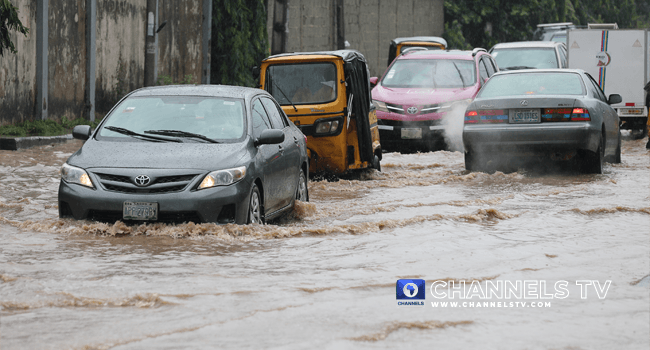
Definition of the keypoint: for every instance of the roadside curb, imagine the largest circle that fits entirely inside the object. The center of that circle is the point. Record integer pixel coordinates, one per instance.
(17, 143)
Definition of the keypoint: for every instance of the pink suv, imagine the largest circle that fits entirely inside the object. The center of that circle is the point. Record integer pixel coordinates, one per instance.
(422, 91)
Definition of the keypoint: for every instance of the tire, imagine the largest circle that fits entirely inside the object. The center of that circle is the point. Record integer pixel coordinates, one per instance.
(255, 209)
(302, 191)
(470, 162)
(617, 155)
(592, 162)
(376, 163)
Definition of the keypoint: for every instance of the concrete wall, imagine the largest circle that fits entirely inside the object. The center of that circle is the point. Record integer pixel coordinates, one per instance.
(370, 25)
(120, 50)
(18, 71)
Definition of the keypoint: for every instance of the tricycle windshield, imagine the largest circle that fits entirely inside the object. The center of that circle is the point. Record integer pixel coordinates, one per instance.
(302, 83)
(214, 117)
(431, 73)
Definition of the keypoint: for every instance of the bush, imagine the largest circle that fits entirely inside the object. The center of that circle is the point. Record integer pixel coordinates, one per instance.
(45, 127)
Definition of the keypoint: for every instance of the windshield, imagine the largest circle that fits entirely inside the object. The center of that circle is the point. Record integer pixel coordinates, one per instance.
(534, 57)
(215, 117)
(305, 83)
(532, 84)
(432, 73)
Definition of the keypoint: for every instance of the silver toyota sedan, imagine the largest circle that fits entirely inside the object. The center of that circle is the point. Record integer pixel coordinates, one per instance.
(558, 114)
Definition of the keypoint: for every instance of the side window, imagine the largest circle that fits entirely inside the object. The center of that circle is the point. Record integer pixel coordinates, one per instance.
(482, 70)
(488, 64)
(598, 93)
(562, 57)
(260, 119)
(276, 118)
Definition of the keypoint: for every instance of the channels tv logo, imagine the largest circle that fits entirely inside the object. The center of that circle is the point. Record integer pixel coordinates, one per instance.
(410, 292)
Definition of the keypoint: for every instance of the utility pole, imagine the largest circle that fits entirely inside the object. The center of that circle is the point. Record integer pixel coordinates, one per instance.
(40, 107)
(150, 44)
(280, 26)
(340, 25)
(207, 39)
(91, 51)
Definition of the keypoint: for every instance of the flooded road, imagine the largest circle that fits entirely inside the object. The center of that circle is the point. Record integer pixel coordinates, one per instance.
(325, 278)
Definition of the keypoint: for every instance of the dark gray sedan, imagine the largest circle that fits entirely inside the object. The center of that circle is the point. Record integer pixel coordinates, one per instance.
(209, 153)
(559, 114)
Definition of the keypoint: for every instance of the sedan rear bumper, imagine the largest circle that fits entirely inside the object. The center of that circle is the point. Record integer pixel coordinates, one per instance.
(223, 204)
(538, 138)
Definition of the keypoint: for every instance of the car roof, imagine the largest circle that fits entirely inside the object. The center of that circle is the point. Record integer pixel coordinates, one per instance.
(431, 54)
(198, 90)
(426, 39)
(519, 44)
(540, 70)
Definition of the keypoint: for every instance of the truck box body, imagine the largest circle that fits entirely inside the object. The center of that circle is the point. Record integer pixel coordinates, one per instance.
(619, 61)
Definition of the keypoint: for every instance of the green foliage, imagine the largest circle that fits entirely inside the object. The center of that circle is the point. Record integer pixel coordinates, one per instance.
(9, 22)
(167, 80)
(239, 40)
(483, 23)
(45, 127)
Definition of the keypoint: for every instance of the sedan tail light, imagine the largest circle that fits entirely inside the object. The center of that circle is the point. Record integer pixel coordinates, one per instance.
(486, 116)
(565, 114)
(580, 114)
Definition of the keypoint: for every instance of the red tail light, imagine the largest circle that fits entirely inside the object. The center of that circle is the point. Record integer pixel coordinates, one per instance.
(565, 114)
(580, 114)
(471, 117)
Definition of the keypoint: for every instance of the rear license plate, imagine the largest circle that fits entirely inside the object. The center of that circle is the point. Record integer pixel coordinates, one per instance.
(412, 133)
(139, 211)
(524, 116)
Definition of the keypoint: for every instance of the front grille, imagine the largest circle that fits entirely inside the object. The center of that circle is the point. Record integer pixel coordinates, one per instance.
(115, 178)
(111, 216)
(162, 184)
(168, 179)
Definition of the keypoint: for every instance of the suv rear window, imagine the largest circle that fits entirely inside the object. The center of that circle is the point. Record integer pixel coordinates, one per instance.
(529, 57)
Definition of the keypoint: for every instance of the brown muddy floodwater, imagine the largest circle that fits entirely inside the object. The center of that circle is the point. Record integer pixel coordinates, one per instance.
(325, 278)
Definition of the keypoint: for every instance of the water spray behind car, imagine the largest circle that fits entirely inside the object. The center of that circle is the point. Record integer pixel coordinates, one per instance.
(453, 123)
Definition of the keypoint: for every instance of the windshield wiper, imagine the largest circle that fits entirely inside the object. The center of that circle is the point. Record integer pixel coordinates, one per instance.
(285, 95)
(135, 134)
(460, 74)
(181, 133)
(517, 67)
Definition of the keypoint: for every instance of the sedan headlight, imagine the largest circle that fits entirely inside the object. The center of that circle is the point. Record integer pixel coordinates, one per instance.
(75, 175)
(223, 177)
(381, 106)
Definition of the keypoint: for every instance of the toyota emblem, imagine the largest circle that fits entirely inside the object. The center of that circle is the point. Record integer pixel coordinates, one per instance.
(142, 180)
(412, 110)
(524, 103)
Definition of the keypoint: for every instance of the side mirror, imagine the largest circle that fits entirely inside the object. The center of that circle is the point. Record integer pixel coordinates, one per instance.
(256, 72)
(270, 137)
(81, 132)
(614, 99)
(374, 81)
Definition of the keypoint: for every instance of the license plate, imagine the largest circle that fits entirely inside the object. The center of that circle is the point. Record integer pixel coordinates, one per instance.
(524, 116)
(412, 133)
(140, 211)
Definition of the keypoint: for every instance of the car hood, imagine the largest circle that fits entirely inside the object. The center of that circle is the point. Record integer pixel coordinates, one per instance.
(420, 96)
(158, 155)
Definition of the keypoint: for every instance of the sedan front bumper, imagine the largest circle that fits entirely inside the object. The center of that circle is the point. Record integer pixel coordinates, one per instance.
(222, 204)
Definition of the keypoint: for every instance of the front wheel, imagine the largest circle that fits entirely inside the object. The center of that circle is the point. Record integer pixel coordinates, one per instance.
(255, 210)
(376, 163)
(302, 192)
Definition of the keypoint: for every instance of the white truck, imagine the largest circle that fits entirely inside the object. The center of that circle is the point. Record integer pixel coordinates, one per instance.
(619, 61)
